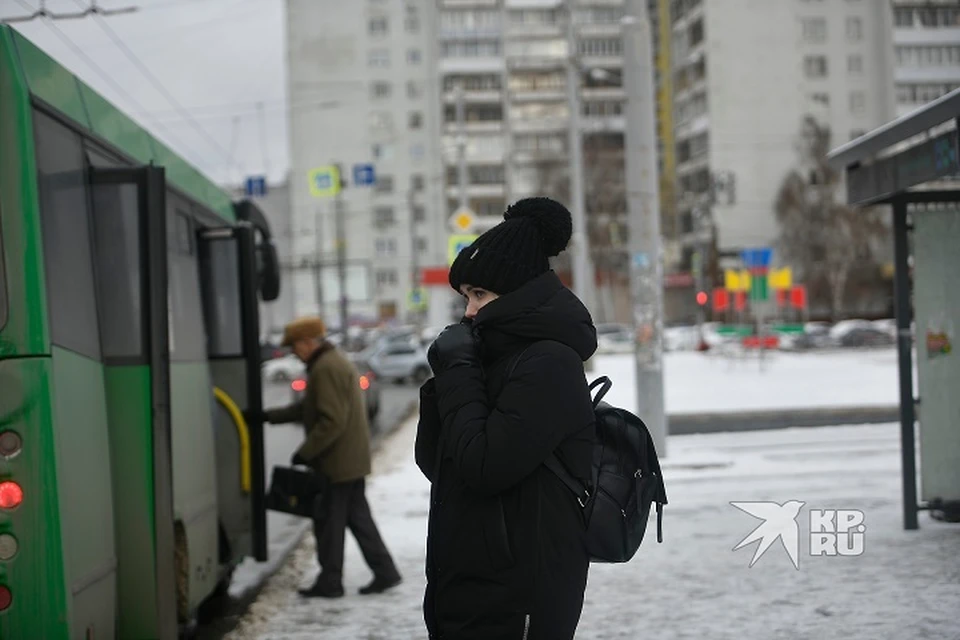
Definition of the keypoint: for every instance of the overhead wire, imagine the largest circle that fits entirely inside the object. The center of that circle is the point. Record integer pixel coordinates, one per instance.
(158, 85)
(110, 81)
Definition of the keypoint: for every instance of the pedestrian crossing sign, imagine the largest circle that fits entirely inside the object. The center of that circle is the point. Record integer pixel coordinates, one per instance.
(458, 243)
(324, 181)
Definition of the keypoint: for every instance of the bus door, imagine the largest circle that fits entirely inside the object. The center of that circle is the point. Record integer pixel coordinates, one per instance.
(130, 257)
(229, 280)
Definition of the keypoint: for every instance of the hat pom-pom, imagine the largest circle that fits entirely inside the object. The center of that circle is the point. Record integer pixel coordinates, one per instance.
(553, 220)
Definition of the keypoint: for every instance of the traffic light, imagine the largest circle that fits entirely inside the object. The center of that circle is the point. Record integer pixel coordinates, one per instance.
(702, 298)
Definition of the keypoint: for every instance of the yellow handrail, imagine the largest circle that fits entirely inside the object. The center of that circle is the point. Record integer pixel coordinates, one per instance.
(242, 432)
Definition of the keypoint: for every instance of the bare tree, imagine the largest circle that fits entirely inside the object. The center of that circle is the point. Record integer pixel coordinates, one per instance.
(822, 238)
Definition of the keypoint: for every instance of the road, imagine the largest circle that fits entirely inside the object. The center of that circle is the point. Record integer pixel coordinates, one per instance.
(281, 441)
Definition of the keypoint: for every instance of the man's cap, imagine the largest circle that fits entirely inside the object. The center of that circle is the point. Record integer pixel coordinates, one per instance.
(303, 329)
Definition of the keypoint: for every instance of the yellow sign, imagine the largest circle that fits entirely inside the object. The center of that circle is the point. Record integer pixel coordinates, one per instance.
(780, 278)
(463, 220)
(458, 243)
(324, 181)
(736, 280)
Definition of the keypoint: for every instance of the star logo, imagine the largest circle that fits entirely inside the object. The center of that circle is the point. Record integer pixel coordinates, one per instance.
(779, 522)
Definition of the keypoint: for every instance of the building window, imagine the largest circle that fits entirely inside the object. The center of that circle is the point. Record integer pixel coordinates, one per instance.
(603, 108)
(814, 29)
(386, 277)
(820, 98)
(415, 120)
(380, 90)
(411, 22)
(386, 247)
(417, 151)
(381, 121)
(413, 56)
(421, 245)
(384, 184)
(815, 66)
(417, 182)
(383, 217)
(854, 29)
(475, 113)
(470, 49)
(479, 82)
(855, 65)
(601, 47)
(470, 22)
(379, 58)
(414, 89)
(858, 102)
(378, 26)
(419, 213)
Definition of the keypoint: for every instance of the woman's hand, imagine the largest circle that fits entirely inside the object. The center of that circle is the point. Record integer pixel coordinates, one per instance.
(454, 347)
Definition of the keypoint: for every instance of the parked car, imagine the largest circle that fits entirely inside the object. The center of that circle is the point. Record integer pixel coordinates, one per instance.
(619, 342)
(367, 379)
(282, 369)
(399, 360)
(868, 336)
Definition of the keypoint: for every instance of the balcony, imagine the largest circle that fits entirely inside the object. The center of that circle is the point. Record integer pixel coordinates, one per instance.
(478, 190)
(597, 124)
(476, 64)
(474, 127)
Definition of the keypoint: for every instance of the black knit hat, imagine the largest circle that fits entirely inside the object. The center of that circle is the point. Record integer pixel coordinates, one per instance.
(517, 250)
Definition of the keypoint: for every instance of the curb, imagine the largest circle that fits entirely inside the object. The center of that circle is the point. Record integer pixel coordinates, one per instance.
(717, 422)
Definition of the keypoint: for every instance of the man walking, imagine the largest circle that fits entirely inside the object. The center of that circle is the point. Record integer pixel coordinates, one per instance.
(337, 446)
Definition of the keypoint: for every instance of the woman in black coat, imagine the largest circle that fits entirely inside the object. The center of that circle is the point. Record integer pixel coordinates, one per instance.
(505, 545)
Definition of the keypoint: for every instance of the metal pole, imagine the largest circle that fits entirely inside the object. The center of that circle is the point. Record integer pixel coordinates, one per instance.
(414, 258)
(318, 249)
(342, 263)
(643, 208)
(461, 145)
(901, 287)
(582, 271)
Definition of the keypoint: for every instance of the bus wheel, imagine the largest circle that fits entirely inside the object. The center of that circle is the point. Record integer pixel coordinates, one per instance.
(182, 566)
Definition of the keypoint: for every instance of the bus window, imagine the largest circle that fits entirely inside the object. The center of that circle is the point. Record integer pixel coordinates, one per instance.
(188, 339)
(116, 223)
(221, 299)
(71, 301)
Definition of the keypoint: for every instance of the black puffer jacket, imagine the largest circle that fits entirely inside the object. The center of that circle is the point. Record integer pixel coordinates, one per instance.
(505, 550)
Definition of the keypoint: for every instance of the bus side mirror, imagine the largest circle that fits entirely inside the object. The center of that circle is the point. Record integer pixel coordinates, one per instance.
(268, 270)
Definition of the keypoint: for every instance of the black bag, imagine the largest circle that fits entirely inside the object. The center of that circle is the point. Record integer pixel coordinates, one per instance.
(626, 481)
(294, 491)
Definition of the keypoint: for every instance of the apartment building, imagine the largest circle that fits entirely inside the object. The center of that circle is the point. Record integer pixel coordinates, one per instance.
(745, 74)
(926, 37)
(362, 89)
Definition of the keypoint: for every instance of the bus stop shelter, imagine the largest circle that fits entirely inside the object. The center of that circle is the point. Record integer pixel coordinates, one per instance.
(912, 164)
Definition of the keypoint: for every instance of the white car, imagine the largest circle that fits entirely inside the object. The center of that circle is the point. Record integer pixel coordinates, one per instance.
(282, 369)
(399, 360)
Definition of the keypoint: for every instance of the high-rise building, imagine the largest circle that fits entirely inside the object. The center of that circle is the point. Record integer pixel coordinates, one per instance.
(745, 74)
(926, 37)
(362, 90)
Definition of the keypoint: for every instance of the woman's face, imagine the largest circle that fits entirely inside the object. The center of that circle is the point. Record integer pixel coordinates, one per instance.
(477, 298)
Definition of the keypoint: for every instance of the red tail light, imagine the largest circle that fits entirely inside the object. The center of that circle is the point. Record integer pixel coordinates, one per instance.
(298, 385)
(364, 382)
(11, 495)
(6, 597)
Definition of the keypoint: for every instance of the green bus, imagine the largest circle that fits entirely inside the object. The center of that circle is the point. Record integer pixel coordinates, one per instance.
(130, 484)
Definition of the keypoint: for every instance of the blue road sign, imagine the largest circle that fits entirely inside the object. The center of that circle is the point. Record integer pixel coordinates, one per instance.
(754, 258)
(363, 175)
(256, 186)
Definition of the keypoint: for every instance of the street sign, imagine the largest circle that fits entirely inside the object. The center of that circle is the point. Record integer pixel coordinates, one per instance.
(324, 181)
(417, 299)
(364, 175)
(458, 243)
(255, 186)
(463, 219)
(781, 279)
(757, 258)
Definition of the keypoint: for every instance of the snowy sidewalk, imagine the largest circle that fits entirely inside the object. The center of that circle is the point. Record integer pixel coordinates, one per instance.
(905, 585)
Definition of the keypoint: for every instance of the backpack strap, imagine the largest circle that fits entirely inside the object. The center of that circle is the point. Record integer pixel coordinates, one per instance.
(553, 463)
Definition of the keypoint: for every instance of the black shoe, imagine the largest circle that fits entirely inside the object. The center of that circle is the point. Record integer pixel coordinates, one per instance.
(321, 590)
(379, 585)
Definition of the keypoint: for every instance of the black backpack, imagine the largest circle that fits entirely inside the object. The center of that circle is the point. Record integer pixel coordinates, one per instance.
(626, 481)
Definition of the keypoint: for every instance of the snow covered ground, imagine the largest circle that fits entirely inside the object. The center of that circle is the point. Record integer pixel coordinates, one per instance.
(697, 382)
(694, 585)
